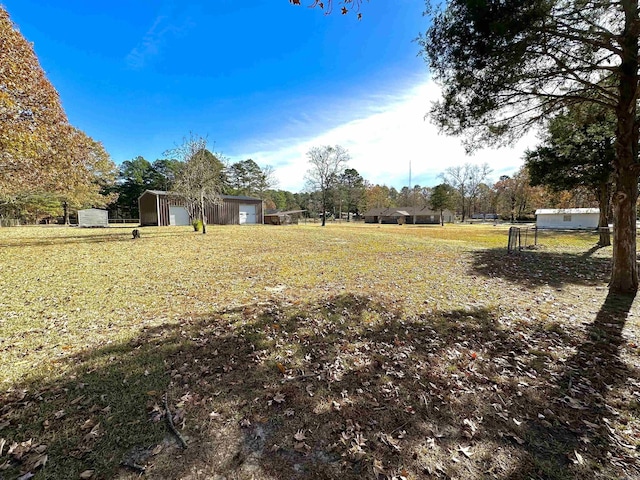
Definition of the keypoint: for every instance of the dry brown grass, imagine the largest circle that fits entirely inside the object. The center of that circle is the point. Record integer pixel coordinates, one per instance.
(305, 352)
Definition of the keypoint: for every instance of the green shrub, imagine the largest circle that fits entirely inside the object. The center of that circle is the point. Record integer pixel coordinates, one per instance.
(197, 225)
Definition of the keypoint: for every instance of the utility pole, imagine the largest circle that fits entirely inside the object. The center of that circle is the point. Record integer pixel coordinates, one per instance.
(412, 200)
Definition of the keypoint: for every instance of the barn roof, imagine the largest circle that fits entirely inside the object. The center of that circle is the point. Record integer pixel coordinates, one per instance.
(234, 197)
(566, 211)
(241, 197)
(374, 212)
(399, 211)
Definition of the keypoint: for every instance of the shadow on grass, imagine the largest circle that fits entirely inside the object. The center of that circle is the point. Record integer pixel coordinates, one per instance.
(122, 235)
(581, 414)
(534, 267)
(345, 387)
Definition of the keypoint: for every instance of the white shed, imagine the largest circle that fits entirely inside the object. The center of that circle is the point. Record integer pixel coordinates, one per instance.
(93, 217)
(568, 218)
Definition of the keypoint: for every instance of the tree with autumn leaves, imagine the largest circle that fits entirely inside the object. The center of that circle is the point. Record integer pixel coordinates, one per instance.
(40, 152)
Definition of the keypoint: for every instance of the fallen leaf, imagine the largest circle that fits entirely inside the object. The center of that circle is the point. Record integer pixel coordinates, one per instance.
(87, 474)
(359, 438)
(299, 436)
(573, 403)
(93, 434)
(37, 461)
(40, 449)
(466, 451)
(18, 450)
(590, 425)
(88, 424)
(471, 429)
(378, 468)
(278, 397)
(390, 441)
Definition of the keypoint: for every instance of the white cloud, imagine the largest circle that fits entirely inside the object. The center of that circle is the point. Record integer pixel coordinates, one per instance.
(152, 41)
(383, 135)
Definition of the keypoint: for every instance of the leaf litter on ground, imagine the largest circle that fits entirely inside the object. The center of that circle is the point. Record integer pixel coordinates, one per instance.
(358, 359)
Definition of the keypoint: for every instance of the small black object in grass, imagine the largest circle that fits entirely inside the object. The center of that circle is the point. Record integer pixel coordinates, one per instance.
(133, 466)
(136, 233)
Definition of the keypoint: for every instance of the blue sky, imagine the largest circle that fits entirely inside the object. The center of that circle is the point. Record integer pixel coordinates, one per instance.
(260, 78)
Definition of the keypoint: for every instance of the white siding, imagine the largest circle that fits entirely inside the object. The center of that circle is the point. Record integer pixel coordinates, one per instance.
(567, 220)
(93, 217)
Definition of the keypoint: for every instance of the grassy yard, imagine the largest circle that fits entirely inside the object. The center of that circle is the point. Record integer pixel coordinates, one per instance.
(350, 351)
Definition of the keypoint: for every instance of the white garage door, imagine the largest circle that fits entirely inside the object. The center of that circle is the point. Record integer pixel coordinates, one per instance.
(178, 216)
(248, 214)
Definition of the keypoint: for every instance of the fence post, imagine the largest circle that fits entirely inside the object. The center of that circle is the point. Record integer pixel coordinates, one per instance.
(514, 239)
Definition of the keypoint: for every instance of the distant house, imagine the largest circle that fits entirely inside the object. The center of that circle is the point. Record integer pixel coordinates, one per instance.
(568, 218)
(283, 218)
(93, 217)
(159, 208)
(400, 215)
(484, 216)
(374, 215)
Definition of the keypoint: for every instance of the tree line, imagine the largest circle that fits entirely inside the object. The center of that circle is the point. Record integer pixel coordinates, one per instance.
(341, 192)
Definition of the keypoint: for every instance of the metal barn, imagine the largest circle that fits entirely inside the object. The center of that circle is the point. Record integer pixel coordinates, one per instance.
(568, 218)
(159, 208)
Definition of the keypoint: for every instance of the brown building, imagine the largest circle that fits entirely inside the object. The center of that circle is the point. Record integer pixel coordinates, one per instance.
(401, 215)
(290, 217)
(159, 208)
